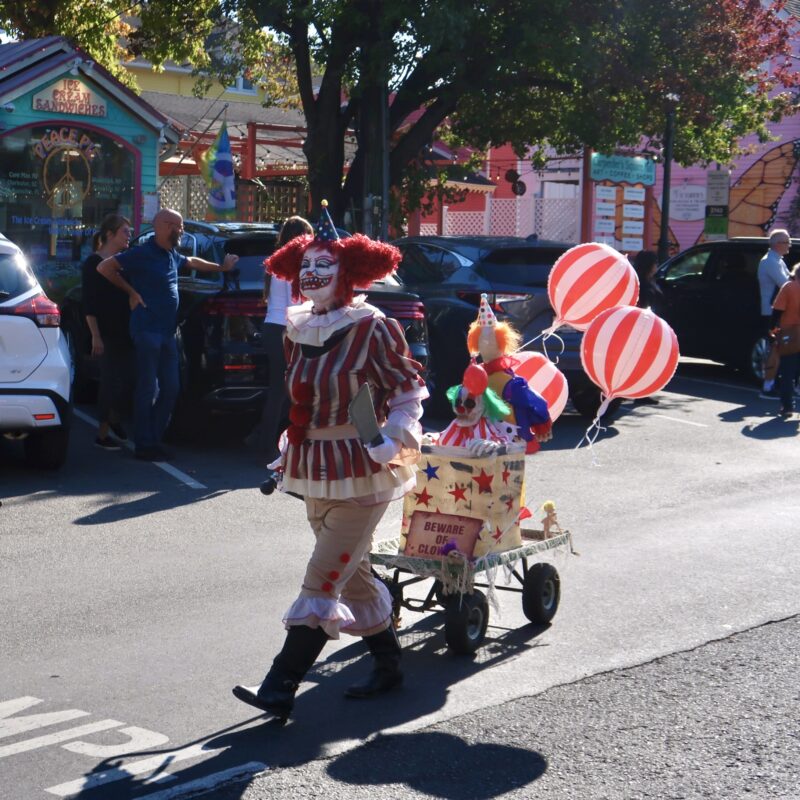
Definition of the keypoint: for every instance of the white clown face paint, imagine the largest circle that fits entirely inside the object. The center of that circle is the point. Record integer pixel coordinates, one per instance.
(319, 273)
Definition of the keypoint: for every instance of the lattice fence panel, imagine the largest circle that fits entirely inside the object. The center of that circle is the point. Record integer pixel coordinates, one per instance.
(172, 194)
(428, 229)
(557, 218)
(504, 218)
(464, 223)
(273, 202)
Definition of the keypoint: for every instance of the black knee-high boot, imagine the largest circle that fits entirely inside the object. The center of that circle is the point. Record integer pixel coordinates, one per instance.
(386, 674)
(277, 691)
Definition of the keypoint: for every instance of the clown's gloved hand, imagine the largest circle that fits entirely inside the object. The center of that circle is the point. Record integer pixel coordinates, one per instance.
(384, 452)
(482, 447)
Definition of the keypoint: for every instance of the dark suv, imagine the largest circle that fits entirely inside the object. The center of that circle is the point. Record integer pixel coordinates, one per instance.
(451, 272)
(223, 364)
(711, 300)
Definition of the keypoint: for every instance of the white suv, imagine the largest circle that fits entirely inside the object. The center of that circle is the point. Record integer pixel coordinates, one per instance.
(35, 365)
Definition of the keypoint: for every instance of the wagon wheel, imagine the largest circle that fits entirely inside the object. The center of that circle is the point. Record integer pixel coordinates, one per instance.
(541, 592)
(466, 618)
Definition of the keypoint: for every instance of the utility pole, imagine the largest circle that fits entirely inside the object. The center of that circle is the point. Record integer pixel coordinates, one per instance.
(669, 137)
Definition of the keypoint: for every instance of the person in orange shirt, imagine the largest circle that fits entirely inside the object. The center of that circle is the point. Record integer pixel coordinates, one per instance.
(786, 315)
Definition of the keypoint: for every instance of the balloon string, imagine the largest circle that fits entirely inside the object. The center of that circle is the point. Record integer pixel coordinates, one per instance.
(544, 336)
(594, 430)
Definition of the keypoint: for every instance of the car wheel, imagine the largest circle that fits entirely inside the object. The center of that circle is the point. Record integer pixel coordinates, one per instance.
(541, 593)
(758, 357)
(47, 449)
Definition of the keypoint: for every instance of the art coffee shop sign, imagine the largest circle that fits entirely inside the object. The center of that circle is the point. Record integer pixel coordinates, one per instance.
(70, 96)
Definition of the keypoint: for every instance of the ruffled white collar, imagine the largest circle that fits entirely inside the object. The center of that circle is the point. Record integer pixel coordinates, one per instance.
(305, 327)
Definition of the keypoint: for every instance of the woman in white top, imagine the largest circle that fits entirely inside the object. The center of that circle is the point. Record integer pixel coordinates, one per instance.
(278, 294)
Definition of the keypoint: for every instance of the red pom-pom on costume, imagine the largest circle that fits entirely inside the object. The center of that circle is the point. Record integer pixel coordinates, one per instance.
(475, 379)
(327, 586)
(300, 415)
(344, 558)
(303, 394)
(296, 434)
(333, 575)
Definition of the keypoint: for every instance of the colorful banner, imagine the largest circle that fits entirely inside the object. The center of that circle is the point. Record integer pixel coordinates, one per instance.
(217, 169)
(451, 491)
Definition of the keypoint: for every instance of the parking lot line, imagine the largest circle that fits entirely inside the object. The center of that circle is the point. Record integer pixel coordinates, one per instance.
(677, 419)
(188, 480)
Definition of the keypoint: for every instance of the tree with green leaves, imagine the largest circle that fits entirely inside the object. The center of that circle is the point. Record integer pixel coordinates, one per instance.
(201, 34)
(552, 74)
(559, 74)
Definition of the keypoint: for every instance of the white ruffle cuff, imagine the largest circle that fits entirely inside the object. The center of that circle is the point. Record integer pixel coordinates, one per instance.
(356, 617)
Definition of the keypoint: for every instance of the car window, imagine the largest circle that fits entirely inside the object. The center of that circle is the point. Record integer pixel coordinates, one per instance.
(15, 278)
(737, 264)
(691, 263)
(187, 245)
(522, 266)
(423, 264)
(252, 252)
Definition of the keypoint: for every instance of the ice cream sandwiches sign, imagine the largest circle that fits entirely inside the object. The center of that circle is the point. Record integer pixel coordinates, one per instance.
(69, 96)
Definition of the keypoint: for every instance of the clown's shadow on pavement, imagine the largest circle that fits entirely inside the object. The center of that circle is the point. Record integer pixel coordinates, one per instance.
(325, 723)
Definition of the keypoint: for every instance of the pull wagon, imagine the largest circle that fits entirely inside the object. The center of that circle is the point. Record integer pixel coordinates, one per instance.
(459, 526)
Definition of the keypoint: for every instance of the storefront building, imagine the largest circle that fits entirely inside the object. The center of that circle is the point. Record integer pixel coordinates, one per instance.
(75, 145)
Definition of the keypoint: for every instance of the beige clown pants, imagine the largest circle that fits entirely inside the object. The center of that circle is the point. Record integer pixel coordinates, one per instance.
(339, 592)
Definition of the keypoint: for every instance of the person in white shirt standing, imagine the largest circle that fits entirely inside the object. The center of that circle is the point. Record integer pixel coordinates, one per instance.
(278, 294)
(772, 274)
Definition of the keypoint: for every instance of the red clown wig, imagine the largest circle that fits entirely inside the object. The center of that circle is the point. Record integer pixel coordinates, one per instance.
(361, 261)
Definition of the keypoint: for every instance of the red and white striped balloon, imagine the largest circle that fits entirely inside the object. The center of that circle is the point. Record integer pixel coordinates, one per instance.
(629, 352)
(545, 378)
(588, 279)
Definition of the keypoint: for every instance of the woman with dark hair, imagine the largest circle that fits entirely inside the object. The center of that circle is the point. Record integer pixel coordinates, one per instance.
(278, 296)
(645, 263)
(107, 314)
(336, 343)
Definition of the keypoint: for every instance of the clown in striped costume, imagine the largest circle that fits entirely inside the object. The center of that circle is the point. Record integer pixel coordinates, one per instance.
(336, 342)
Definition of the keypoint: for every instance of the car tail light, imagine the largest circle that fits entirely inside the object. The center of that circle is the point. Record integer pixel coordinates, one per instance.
(40, 308)
(236, 306)
(404, 309)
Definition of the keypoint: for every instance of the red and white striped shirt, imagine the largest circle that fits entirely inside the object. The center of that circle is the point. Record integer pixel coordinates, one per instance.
(373, 351)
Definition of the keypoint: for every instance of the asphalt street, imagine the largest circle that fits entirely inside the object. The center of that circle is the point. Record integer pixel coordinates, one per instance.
(137, 596)
(719, 721)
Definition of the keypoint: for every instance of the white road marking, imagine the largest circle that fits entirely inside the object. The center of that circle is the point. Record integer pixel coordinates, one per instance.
(12, 727)
(139, 740)
(168, 468)
(57, 738)
(252, 768)
(677, 419)
(154, 765)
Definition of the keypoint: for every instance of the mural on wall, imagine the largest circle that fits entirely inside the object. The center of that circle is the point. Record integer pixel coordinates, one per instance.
(757, 194)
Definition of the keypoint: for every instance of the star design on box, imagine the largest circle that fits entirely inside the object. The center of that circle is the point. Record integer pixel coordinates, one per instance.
(505, 474)
(423, 497)
(497, 534)
(459, 493)
(509, 501)
(484, 482)
(431, 471)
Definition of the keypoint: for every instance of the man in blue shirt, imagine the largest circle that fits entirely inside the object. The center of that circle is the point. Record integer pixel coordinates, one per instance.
(772, 274)
(149, 275)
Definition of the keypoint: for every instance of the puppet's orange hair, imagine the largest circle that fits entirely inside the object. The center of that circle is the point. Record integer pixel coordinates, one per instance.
(508, 338)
